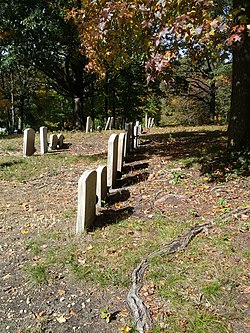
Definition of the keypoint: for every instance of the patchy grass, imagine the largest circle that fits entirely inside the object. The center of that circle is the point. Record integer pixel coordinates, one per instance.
(24, 168)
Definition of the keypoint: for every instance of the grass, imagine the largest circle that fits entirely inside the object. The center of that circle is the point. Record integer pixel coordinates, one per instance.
(198, 284)
(22, 168)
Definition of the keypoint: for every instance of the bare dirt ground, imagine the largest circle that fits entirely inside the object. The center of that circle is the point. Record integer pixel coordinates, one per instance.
(158, 179)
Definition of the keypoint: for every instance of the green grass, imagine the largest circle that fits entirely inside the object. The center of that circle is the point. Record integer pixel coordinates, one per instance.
(24, 168)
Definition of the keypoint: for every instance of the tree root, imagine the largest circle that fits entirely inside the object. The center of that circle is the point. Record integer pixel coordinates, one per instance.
(143, 321)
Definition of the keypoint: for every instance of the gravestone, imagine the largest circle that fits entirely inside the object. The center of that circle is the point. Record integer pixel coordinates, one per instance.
(111, 124)
(89, 125)
(112, 160)
(149, 122)
(129, 130)
(28, 142)
(43, 140)
(136, 137)
(131, 136)
(146, 121)
(53, 140)
(86, 210)
(107, 123)
(125, 150)
(120, 155)
(101, 184)
(60, 139)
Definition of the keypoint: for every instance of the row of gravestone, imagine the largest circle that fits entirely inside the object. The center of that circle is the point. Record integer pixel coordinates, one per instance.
(90, 124)
(149, 122)
(56, 141)
(93, 185)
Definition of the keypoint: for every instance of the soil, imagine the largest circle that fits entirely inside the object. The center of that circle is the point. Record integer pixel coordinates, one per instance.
(153, 181)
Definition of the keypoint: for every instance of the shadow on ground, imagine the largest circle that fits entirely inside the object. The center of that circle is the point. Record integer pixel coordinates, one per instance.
(206, 148)
(112, 216)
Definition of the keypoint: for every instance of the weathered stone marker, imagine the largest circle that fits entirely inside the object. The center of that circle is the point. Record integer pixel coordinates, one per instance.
(131, 137)
(111, 124)
(136, 137)
(53, 140)
(101, 184)
(120, 155)
(86, 210)
(60, 139)
(112, 160)
(28, 142)
(43, 140)
(89, 125)
(128, 130)
(125, 150)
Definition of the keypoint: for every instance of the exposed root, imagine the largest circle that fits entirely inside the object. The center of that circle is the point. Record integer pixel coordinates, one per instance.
(143, 321)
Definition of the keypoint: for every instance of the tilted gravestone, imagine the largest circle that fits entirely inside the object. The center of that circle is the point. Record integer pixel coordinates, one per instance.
(107, 124)
(60, 138)
(86, 210)
(43, 140)
(28, 142)
(149, 122)
(120, 155)
(112, 160)
(101, 185)
(53, 140)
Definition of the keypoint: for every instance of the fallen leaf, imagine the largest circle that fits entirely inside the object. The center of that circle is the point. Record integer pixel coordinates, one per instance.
(61, 319)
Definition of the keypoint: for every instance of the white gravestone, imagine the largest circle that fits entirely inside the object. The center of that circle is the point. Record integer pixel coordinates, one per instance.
(86, 211)
(28, 142)
(43, 140)
(107, 123)
(149, 122)
(112, 160)
(120, 155)
(101, 185)
(53, 140)
(146, 120)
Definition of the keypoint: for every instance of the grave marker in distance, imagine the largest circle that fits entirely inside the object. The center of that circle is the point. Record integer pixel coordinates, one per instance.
(28, 142)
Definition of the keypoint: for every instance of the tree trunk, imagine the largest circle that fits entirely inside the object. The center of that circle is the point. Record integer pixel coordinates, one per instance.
(212, 102)
(80, 120)
(13, 115)
(239, 117)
